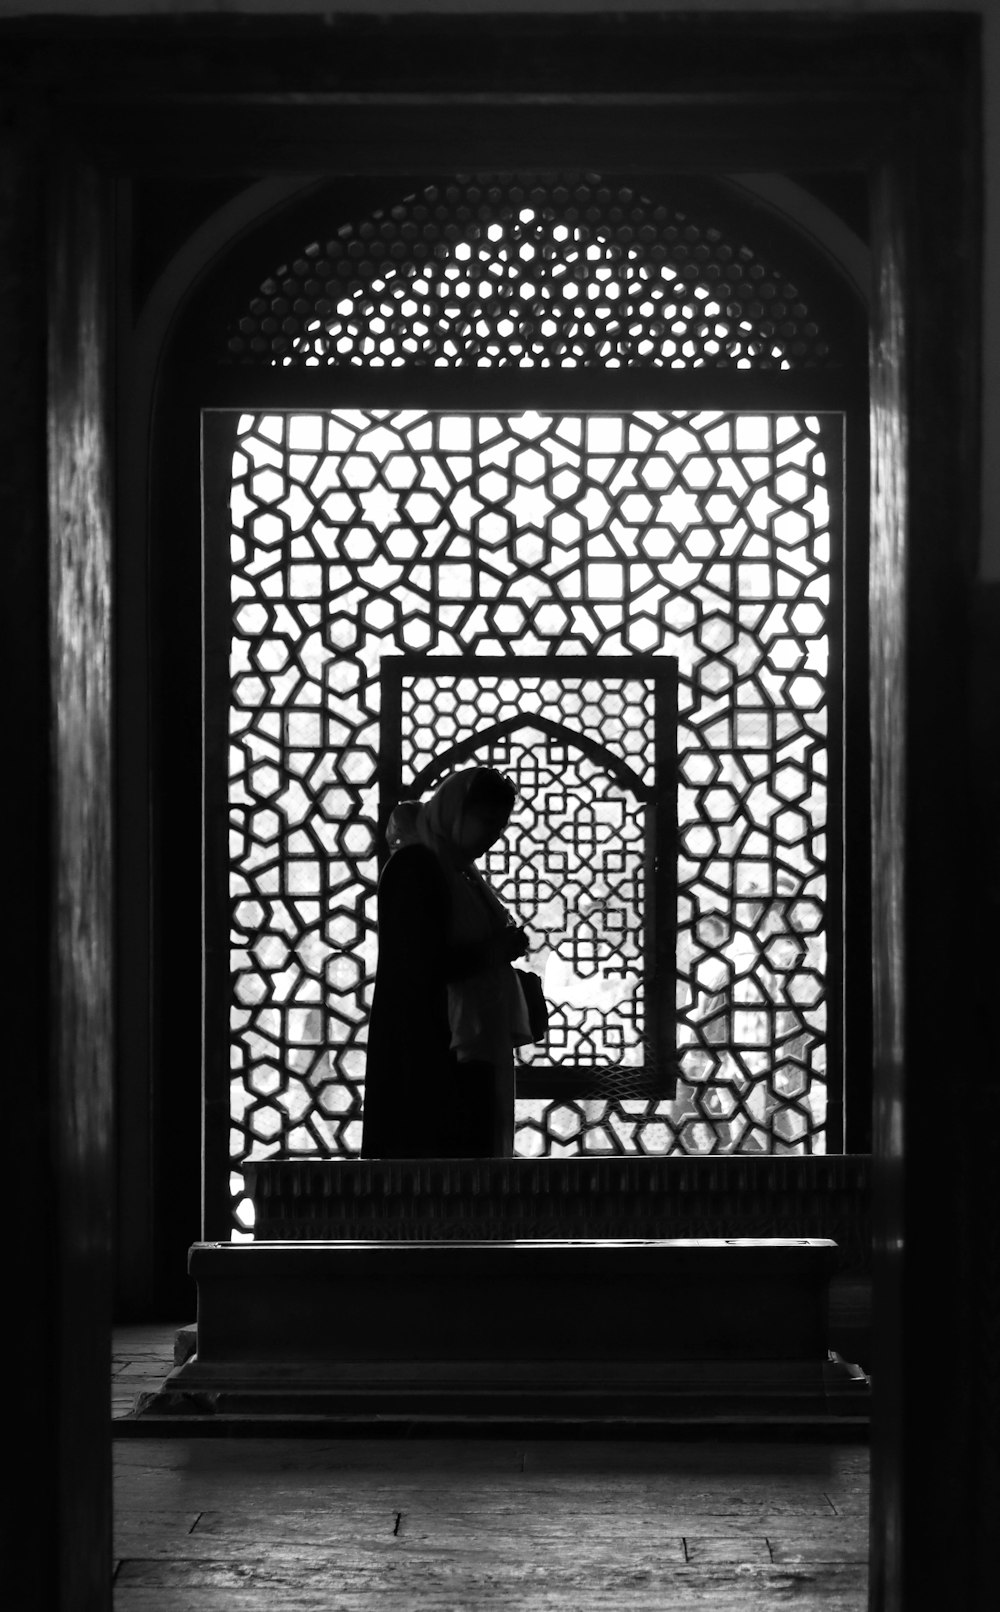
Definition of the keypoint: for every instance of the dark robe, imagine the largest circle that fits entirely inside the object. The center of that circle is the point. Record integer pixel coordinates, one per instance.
(419, 1101)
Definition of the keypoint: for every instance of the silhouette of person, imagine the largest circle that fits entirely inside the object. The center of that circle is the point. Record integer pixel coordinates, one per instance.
(447, 1010)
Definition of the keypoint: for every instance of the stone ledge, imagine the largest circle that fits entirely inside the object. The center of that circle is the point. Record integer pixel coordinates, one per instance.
(394, 1200)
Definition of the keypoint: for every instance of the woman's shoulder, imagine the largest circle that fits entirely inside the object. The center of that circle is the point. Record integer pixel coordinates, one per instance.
(412, 883)
(412, 864)
(411, 855)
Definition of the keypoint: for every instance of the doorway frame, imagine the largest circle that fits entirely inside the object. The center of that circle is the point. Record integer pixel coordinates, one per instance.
(733, 91)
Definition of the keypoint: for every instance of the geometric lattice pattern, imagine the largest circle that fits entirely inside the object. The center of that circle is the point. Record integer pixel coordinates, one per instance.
(357, 534)
(444, 710)
(561, 273)
(572, 863)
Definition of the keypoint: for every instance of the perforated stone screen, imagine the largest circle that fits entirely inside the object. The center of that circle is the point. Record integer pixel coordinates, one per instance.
(709, 537)
(563, 272)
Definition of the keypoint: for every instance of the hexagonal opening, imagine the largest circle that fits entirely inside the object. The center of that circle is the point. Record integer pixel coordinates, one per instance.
(252, 619)
(722, 805)
(806, 916)
(358, 470)
(265, 780)
(791, 527)
(267, 486)
(806, 988)
(271, 951)
(714, 676)
(265, 825)
(266, 1123)
(791, 828)
(700, 840)
(530, 465)
(806, 692)
(698, 767)
(716, 633)
(268, 530)
(783, 953)
(401, 470)
(807, 618)
(791, 486)
(271, 655)
(264, 1079)
(565, 1123)
(335, 1099)
(790, 1079)
(790, 783)
(657, 474)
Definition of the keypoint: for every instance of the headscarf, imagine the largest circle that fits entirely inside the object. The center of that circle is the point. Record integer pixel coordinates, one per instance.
(435, 823)
(486, 1011)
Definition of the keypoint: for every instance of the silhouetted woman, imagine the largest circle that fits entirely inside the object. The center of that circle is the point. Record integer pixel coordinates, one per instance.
(447, 1010)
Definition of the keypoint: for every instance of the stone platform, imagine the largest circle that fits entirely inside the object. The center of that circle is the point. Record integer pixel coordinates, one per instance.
(643, 1330)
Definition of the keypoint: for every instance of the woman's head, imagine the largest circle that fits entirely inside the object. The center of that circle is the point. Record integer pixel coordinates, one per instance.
(489, 791)
(470, 810)
(486, 812)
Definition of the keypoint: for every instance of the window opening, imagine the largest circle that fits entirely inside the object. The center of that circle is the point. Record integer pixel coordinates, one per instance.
(588, 859)
(707, 537)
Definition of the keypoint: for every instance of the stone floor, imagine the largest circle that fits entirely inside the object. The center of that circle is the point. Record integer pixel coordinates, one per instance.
(141, 1356)
(444, 1524)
